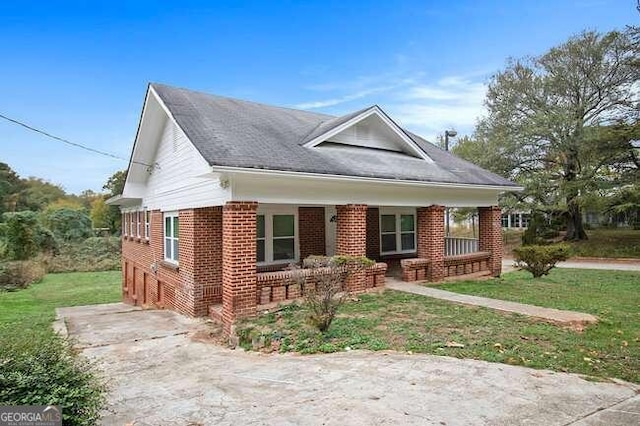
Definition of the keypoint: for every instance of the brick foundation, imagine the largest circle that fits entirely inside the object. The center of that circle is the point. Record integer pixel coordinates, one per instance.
(239, 291)
(430, 223)
(490, 236)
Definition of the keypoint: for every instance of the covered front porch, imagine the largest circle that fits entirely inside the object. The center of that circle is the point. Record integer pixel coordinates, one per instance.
(259, 240)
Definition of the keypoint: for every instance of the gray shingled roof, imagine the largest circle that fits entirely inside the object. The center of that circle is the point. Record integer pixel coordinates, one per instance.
(235, 133)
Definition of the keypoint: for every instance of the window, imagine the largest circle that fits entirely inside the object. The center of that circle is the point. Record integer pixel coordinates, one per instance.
(131, 228)
(138, 223)
(276, 237)
(171, 232)
(146, 224)
(397, 233)
(125, 224)
(515, 220)
(505, 220)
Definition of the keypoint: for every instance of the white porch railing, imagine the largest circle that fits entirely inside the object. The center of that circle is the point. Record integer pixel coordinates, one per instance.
(456, 246)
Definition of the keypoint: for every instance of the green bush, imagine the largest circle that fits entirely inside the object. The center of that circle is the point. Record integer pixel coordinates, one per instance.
(41, 368)
(539, 231)
(20, 274)
(540, 259)
(68, 224)
(24, 237)
(92, 254)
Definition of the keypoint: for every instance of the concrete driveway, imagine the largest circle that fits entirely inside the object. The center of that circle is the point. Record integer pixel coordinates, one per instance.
(162, 372)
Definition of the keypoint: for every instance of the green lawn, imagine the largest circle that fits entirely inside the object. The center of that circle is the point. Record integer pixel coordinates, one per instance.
(34, 307)
(406, 322)
(609, 243)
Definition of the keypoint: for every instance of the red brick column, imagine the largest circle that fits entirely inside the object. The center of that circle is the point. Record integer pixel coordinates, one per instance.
(431, 240)
(312, 231)
(351, 240)
(490, 236)
(239, 290)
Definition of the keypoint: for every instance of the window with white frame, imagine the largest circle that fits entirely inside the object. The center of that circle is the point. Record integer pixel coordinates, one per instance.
(171, 232)
(138, 224)
(397, 232)
(147, 226)
(125, 224)
(131, 228)
(276, 237)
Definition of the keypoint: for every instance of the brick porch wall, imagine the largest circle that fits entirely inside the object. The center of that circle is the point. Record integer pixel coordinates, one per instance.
(490, 236)
(373, 233)
(311, 227)
(351, 240)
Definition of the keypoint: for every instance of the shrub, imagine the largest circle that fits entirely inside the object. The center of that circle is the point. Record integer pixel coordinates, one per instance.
(40, 368)
(20, 234)
(540, 259)
(92, 254)
(20, 274)
(68, 224)
(323, 300)
(539, 231)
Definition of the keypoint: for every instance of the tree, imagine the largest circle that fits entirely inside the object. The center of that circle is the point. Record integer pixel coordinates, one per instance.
(551, 117)
(114, 186)
(100, 214)
(23, 236)
(10, 186)
(68, 224)
(37, 194)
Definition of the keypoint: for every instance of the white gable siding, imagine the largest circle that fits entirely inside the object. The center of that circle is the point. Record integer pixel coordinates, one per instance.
(175, 184)
(371, 133)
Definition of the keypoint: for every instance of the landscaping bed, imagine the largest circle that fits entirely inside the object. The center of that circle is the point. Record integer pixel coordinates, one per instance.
(407, 322)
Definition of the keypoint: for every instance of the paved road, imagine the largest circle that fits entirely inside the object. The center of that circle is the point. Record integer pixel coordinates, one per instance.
(161, 373)
(507, 265)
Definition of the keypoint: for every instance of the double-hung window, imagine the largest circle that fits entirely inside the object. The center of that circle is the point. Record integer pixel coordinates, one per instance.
(125, 224)
(147, 226)
(138, 223)
(171, 232)
(397, 233)
(131, 228)
(276, 237)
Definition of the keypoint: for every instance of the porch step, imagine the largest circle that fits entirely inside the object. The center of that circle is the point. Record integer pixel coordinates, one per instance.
(215, 313)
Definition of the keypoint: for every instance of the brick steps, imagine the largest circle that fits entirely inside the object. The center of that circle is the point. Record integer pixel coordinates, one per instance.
(215, 313)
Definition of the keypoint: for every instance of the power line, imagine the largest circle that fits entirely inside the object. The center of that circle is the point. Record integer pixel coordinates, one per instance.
(68, 142)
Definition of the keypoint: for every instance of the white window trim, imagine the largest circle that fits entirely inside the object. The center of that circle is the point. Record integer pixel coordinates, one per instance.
(131, 224)
(138, 224)
(269, 212)
(398, 212)
(125, 224)
(164, 236)
(147, 223)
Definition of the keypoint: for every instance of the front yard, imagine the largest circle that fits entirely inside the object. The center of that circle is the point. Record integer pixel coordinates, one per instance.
(406, 322)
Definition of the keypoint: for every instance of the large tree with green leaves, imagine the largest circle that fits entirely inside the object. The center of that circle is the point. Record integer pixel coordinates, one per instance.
(551, 118)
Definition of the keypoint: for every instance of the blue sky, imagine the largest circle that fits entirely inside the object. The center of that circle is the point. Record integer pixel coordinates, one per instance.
(80, 69)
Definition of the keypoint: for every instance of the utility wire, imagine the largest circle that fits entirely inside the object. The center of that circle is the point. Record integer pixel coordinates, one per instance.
(68, 142)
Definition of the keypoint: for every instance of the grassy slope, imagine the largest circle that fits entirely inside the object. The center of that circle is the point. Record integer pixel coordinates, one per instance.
(34, 307)
(415, 323)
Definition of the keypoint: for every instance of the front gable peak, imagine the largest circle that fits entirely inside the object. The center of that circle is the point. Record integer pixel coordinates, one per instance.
(369, 128)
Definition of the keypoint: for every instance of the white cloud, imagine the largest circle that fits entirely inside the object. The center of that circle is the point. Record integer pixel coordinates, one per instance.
(343, 99)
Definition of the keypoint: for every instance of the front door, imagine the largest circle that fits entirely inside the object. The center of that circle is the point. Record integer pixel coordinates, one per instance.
(330, 229)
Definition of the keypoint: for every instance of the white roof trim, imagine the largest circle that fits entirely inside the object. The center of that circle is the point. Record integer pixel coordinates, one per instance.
(246, 170)
(377, 111)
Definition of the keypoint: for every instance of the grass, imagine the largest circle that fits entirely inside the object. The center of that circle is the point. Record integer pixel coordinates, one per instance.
(407, 322)
(33, 309)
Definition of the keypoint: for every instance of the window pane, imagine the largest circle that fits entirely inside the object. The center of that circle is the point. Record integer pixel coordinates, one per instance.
(175, 227)
(167, 226)
(407, 241)
(389, 242)
(388, 223)
(283, 249)
(260, 226)
(175, 250)
(260, 254)
(406, 222)
(283, 225)
(167, 248)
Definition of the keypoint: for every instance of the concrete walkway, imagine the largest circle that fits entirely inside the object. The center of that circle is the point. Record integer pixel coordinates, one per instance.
(549, 314)
(162, 370)
(612, 265)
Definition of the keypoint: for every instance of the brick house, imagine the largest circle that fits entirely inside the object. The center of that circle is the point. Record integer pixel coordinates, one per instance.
(222, 194)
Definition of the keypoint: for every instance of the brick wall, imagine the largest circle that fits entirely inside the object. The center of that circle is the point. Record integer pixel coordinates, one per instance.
(351, 240)
(431, 240)
(373, 233)
(311, 227)
(189, 288)
(239, 291)
(490, 236)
